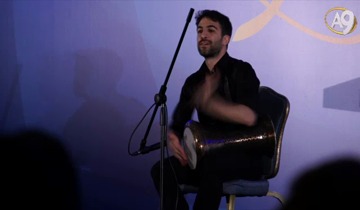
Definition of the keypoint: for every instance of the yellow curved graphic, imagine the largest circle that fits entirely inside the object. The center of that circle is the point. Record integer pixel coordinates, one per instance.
(256, 24)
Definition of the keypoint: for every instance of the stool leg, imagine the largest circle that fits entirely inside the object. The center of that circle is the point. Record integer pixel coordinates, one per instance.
(277, 196)
(231, 202)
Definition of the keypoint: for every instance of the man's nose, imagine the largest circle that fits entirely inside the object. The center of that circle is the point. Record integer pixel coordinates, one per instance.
(203, 35)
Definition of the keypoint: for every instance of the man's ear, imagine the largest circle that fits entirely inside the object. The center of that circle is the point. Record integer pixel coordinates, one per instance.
(226, 39)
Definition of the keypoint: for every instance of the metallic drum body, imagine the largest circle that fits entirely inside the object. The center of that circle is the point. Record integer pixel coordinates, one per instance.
(199, 140)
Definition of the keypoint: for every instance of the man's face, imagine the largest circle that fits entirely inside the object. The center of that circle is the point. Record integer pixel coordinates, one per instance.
(209, 39)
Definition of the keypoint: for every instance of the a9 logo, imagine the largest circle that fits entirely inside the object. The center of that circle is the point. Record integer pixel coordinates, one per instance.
(343, 21)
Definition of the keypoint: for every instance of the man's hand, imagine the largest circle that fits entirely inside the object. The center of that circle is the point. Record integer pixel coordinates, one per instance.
(173, 143)
(207, 100)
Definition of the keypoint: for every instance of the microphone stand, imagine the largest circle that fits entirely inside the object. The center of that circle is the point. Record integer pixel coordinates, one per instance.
(160, 100)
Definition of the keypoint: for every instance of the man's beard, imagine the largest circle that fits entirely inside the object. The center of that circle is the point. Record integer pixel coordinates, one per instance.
(213, 50)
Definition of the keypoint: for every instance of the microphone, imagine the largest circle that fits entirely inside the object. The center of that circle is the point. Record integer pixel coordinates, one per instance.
(148, 149)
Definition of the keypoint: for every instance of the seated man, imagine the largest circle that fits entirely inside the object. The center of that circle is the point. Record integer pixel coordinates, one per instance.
(224, 92)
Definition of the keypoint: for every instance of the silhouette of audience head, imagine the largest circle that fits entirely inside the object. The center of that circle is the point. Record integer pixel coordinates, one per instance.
(334, 184)
(36, 173)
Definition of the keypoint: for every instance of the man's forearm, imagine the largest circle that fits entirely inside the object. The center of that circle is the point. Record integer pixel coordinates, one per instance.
(230, 112)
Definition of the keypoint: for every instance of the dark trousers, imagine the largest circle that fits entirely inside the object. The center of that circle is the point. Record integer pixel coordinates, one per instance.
(211, 171)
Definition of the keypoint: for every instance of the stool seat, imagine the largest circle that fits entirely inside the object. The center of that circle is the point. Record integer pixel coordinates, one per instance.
(242, 187)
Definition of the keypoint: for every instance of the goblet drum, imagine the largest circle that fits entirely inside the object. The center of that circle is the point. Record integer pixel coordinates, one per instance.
(199, 140)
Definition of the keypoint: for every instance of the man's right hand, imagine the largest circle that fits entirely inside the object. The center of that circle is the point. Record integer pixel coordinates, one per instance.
(173, 143)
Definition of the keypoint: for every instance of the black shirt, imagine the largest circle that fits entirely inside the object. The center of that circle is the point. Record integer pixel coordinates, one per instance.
(238, 84)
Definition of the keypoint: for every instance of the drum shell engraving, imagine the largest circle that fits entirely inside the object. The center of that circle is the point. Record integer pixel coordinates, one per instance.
(201, 140)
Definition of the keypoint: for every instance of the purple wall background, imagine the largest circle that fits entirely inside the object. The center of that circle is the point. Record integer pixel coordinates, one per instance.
(87, 71)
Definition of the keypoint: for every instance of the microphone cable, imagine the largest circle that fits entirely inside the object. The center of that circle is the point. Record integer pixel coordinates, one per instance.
(135, 129)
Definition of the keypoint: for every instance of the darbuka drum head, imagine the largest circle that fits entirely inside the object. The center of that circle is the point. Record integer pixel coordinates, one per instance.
(189, 147)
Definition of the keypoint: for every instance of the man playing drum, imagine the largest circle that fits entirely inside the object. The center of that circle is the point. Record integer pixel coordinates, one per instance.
(224, 92)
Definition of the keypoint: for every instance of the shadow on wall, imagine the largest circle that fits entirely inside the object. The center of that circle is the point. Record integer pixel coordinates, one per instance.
(98, 132)
(37, 173)
(344, 96)
(11, 109)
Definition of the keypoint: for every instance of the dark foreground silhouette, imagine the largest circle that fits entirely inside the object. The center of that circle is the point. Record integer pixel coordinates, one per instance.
(332, 185)
(36, 173)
